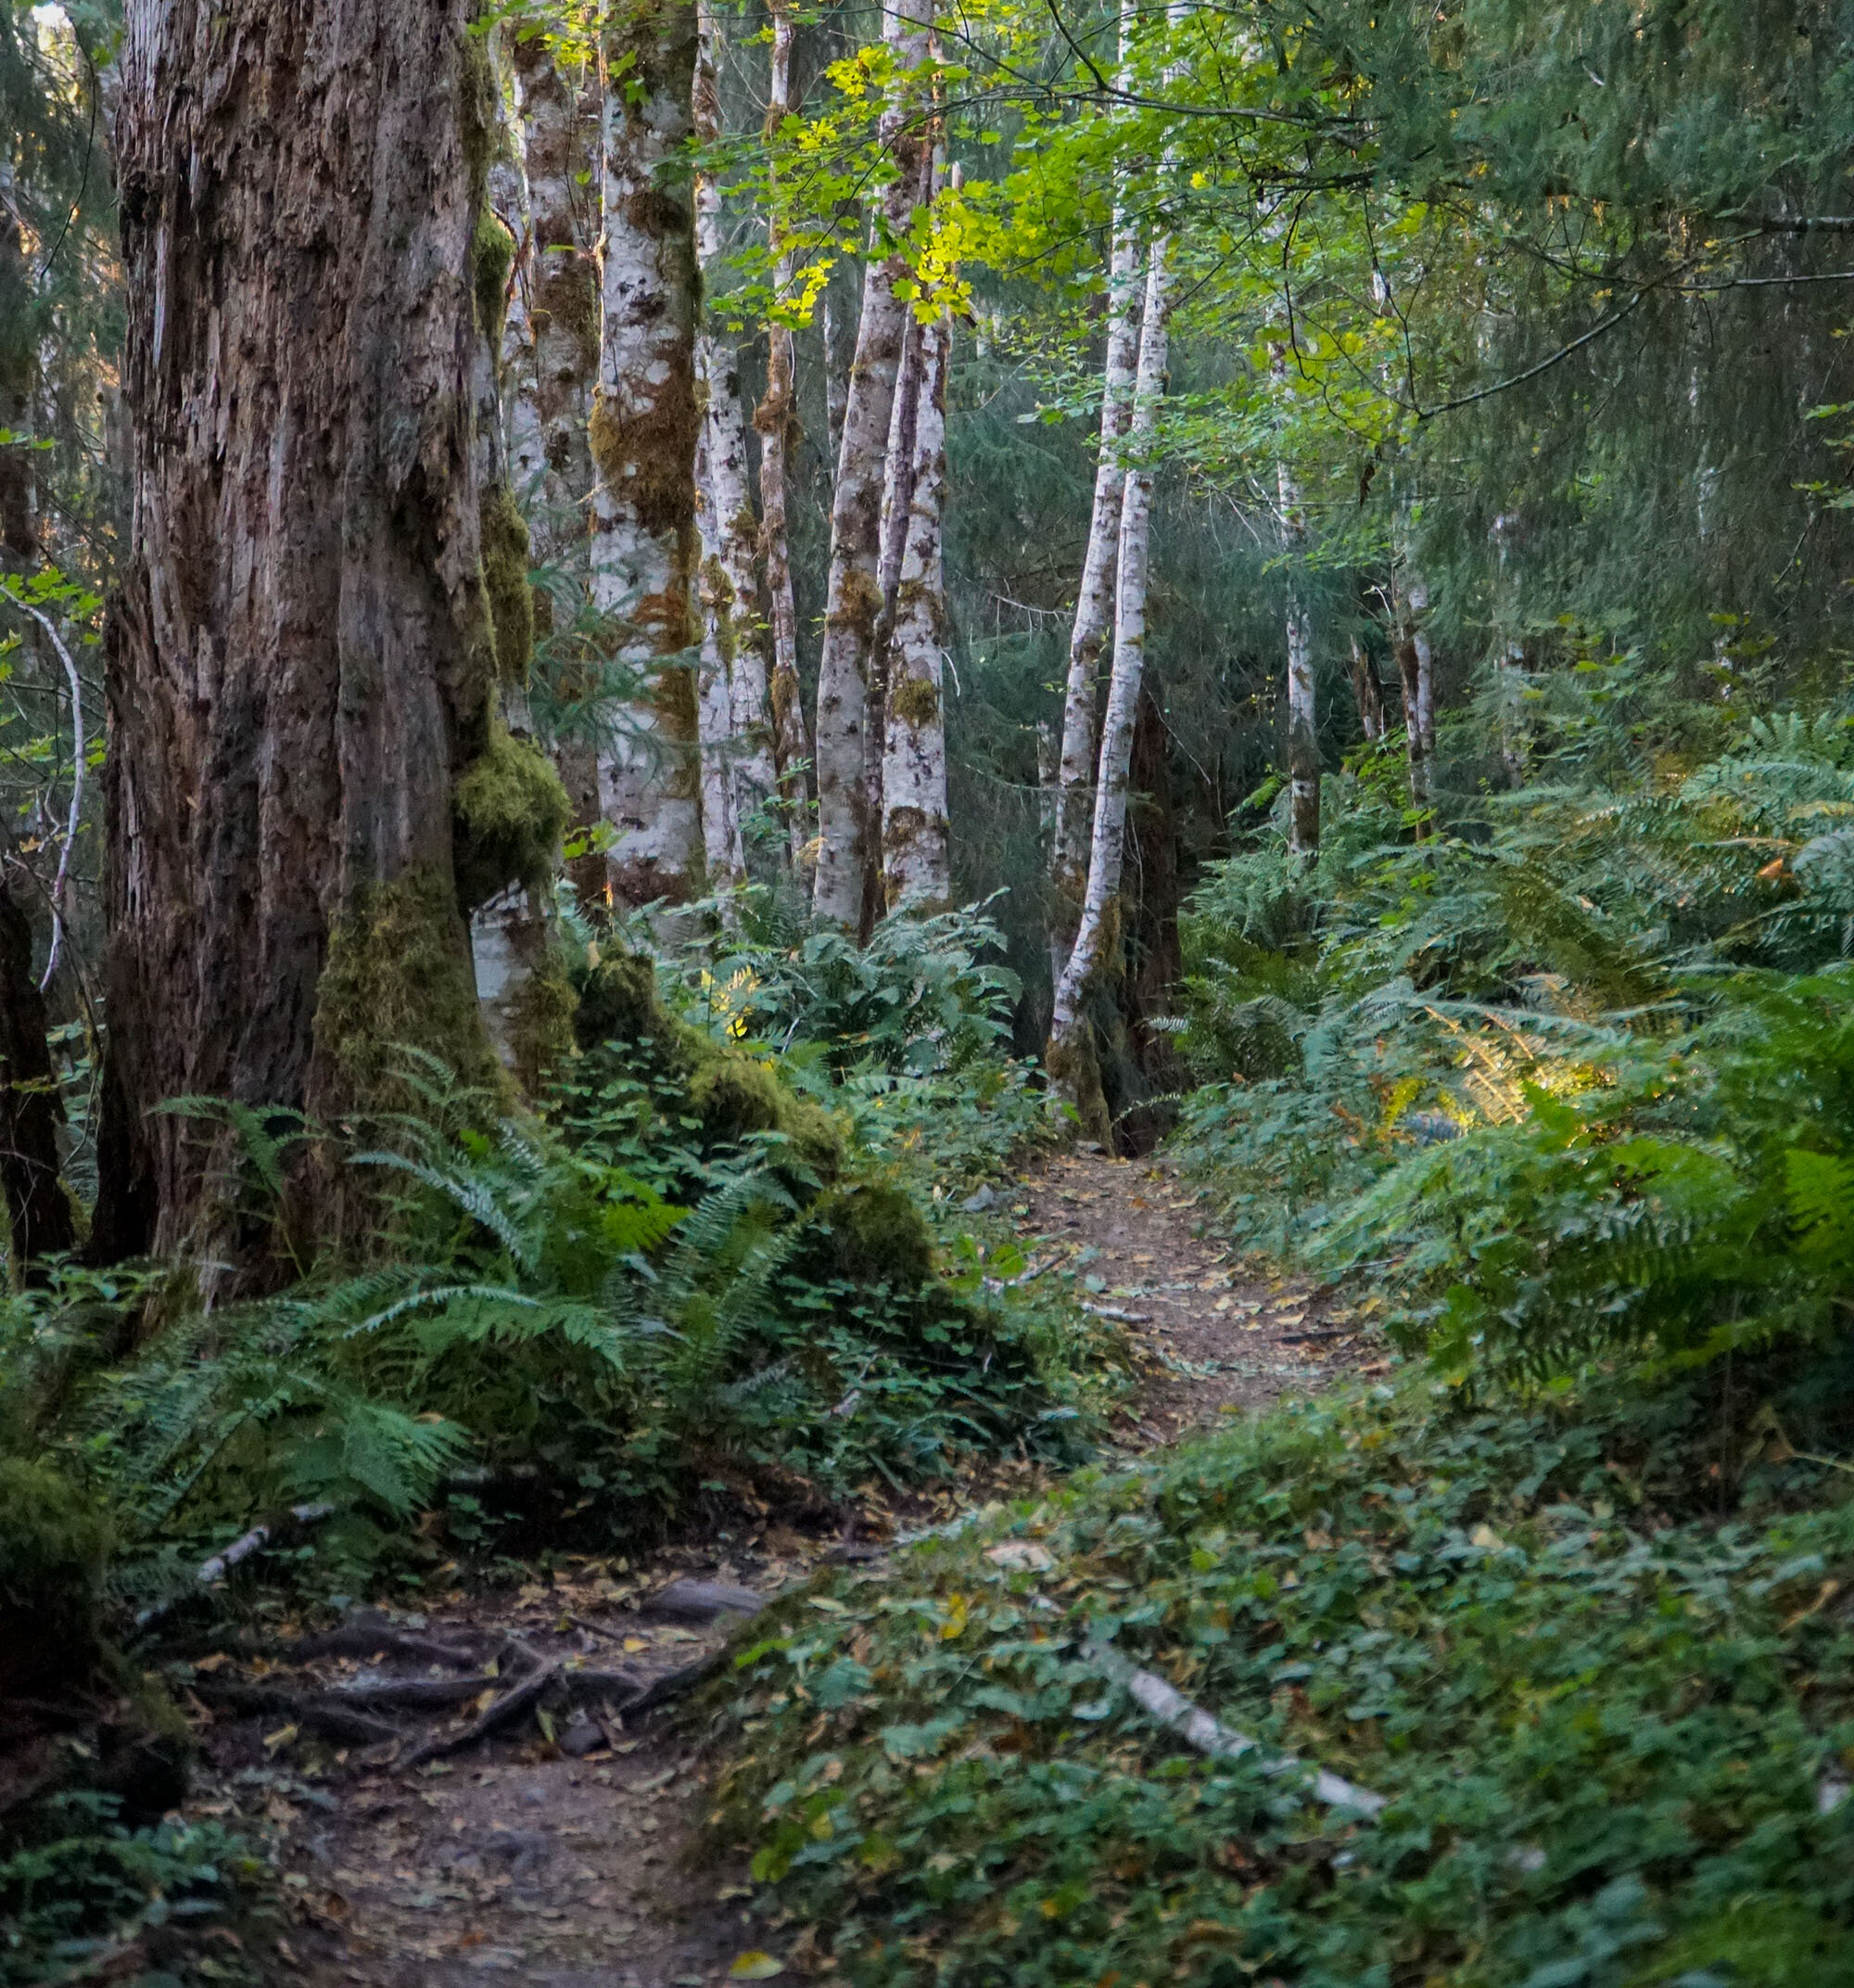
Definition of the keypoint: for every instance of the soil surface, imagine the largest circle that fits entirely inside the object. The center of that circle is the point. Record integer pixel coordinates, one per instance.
(554, 1848)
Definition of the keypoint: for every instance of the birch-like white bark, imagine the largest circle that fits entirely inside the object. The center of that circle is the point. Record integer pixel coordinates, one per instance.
(721, 843)
(644, 434)
(776, 419)
(512, 934)
(552, 361)
(1070, 1058)
(1303, 738)
(917, 862)
(1094, 600)
(732, 718)
(854, 600)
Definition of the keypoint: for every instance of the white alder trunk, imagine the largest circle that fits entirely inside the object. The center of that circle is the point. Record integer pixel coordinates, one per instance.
(1095, 950)
(917, 862)
(721, 843)
(1094, 600)
(733, 720)
(1303, 738)
(854, 600)
(552, 362)
(643, 436)
(775, 419)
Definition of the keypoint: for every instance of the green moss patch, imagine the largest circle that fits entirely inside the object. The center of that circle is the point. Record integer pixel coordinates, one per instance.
(399, 972)
(510, 809)
(506, 551)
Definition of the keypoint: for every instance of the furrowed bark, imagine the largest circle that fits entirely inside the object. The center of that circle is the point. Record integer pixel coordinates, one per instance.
(644, 434)
(917, 868)
(775, 421)
(854, 600)
(1303, 739)
(302, 660)
(1095, 954)
(1094, 599)
(737, 766)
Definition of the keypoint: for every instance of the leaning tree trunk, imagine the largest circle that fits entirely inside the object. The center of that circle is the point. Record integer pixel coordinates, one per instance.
(644, 434)
(1303, 738)
(854, 600)
(1094, 599)
(776, 420)
(917, 867)
(1095, 957)
(737, 769)
(307, 785)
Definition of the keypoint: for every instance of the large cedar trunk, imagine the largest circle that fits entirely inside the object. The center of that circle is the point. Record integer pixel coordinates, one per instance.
(302, 662)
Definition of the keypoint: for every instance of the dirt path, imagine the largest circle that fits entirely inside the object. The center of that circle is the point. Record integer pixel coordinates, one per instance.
(553, 1850)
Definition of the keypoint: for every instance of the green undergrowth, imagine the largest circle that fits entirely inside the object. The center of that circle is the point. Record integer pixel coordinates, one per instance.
(1607, 1692)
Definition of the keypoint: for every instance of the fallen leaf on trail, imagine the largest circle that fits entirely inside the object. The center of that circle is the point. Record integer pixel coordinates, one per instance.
(754, 1966)
(1484, 1534)
(282, 1737)
(829, 1605)
(211, 1662)
(955, 1624)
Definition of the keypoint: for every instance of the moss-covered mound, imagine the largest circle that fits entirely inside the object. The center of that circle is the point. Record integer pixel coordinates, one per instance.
(733, 1094)
(53, 1544)
(868, 1235)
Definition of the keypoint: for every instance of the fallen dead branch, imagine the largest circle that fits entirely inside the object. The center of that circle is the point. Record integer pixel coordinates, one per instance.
(241, 1549)
(1210, 1737)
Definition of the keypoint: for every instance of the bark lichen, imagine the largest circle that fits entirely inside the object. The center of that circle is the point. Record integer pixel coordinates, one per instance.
(644, 453)
(510, 809)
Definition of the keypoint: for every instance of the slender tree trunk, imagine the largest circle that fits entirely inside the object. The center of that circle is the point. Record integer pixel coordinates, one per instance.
(1367, 692)
(1095, 954)
(1415, 669)
(643, 436)
(915, 844)
(897, 494)
(302, 666)
(38, 1210)
(1303, 738)
(722, 849)
(737, 764)
(1094, 600)
(854, 600)
(776, 420)
(554, 326)
(840, 314)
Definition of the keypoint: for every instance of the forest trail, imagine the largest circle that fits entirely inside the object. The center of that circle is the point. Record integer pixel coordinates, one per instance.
(558, 1849)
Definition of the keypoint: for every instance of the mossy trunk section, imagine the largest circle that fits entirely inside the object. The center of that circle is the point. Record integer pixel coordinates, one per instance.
(846, 828)
(917, 864)
(644, 434)
(302, 661)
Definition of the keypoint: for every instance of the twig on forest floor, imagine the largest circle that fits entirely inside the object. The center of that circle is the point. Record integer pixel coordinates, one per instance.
(1210, 1737)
